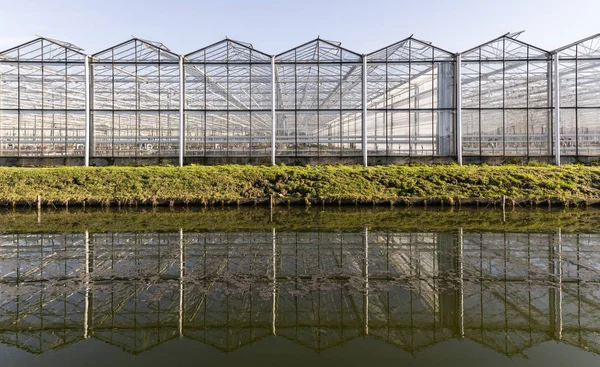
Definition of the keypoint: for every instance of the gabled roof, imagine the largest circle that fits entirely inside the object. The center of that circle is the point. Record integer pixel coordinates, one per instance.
(411, 49)
(584, 48)
(43, 49)
(228, 50)
(505, 47)
(136, 50)
(319, 50)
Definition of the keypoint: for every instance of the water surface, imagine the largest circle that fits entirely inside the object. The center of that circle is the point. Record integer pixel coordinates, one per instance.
(296, 287)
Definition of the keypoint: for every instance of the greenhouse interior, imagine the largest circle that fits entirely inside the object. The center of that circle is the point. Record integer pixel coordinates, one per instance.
(317, 103)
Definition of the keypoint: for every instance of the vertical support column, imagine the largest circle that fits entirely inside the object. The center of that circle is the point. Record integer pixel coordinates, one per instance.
(364, 109)
(181, 109)
(458, 76)
(556, 110)
(366, 276)
(87, 147)
(461, 286)
(274, 290)
(181, 274)
(273, 117)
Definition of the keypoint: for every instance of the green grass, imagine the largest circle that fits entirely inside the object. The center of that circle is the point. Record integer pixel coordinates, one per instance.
(355, 184)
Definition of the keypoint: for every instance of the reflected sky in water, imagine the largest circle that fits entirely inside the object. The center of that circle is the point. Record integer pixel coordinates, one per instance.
(302, 295)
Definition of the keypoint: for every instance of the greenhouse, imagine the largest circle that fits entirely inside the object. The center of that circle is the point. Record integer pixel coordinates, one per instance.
(140, 103)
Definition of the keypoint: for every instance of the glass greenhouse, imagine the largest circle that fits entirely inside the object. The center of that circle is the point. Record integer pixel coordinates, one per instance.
(139, 102)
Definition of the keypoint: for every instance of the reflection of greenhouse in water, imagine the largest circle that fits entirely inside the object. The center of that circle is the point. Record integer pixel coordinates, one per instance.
(506, 291)
(318, 102)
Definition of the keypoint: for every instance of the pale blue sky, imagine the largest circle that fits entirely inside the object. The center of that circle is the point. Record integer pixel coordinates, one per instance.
(275, 26)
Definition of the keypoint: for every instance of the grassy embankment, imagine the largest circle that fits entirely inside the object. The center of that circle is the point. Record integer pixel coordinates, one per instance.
(246, 184)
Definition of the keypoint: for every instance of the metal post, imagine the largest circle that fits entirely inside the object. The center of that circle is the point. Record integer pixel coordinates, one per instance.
(556, 110)
(86, 148)
(364, 110)
(273, 118)
(459, 110)
(181, 115)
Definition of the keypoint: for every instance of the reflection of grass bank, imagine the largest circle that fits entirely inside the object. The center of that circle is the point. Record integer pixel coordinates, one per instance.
(231, 184)
(297, 219)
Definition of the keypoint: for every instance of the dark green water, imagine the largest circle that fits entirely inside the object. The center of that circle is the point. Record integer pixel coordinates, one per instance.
(319, 287)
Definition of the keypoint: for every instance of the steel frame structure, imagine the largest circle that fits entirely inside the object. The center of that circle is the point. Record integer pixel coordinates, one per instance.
(506, 99)
(228, 98)
(42, 99)
(316, 103)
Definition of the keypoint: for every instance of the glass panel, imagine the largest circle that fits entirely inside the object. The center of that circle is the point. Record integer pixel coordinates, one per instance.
(286, 134)
(31, 127)
(216, 87)
(194, 87)
(444, 133)
(422, 139)
(515, 84)
(125, 134)
(216, 134)
(351, 132)
(588, 83)
(261, 134)
(515, 135)
(421, 82)
(539, 85)
(54, 134)
(102, 123)
(589, 131)
(568, 81)
(307, 130)
(9, 133)
(492, 134)
(329, 133)
(194, 133)
(238, 134)
(376, 133)
(470, 85)
(398, 133)
(471, 130)
(540, 122)
(491, 85)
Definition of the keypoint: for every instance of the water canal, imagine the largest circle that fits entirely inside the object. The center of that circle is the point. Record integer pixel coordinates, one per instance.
(321, 287)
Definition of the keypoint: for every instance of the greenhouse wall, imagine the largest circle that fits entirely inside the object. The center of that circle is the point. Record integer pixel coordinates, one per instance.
(42, 102)
(135, 101)
(140, 103)
(228, 100)
(506, 100)
(579, 71)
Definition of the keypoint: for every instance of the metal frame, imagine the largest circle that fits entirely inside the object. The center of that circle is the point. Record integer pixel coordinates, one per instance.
(43, 100)
(317, 102)
(506, 100)
(411, 100)
(135, 101)
(229, 103)
(578, 97)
